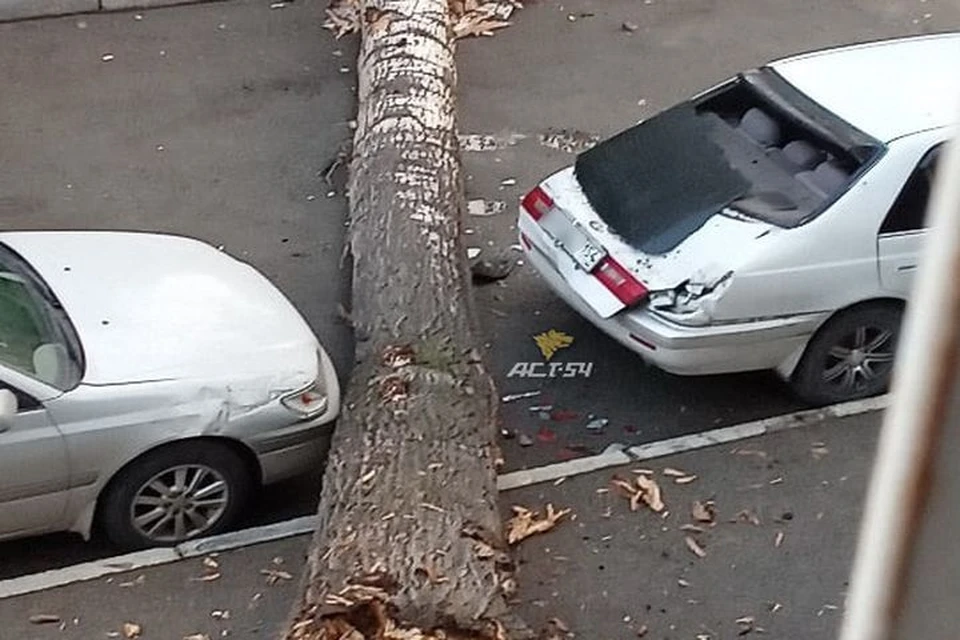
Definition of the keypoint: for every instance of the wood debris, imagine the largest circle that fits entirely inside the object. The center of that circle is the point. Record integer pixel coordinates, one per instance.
(469, 17)
(695, 547)
(44, 618)
(704, 511)
(527, 522)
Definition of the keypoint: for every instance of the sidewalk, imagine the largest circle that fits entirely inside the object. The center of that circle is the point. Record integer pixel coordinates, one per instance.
(605, 572)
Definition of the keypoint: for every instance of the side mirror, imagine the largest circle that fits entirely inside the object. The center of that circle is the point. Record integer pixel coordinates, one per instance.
(8, 409)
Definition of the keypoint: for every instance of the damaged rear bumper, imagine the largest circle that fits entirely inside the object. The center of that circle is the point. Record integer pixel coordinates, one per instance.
(681, 350)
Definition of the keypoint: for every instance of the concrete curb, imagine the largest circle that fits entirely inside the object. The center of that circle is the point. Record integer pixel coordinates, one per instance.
(155, 557)
(15, 10)
(615, 455)
(618, 455)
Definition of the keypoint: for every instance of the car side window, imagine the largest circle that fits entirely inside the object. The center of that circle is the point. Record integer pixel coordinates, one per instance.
(25, 402)
(909, 210)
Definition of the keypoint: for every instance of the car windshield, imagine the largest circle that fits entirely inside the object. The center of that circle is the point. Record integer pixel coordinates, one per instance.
(754, 146)
(36, 337)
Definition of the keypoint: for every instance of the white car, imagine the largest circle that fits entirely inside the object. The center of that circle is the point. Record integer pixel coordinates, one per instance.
(148, 384)
(773, 221)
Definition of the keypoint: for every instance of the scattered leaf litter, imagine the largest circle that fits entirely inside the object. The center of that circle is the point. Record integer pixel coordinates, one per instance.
(568, 140)
(488, 142)
(470, 17)
(484, 208)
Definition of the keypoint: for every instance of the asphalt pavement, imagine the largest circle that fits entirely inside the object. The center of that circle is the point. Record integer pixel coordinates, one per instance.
(216, 120)
(772, 545)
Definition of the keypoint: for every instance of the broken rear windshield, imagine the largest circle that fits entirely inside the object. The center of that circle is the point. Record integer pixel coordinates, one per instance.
(658, 182)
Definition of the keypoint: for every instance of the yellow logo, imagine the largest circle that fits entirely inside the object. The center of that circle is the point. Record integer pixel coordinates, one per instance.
(552, 341)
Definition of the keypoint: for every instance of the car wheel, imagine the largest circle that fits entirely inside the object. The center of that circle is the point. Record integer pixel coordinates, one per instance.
(850, 357)
(176, 493)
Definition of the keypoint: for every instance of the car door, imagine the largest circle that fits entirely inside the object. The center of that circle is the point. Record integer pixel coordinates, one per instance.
(34, 468)
(903, 231)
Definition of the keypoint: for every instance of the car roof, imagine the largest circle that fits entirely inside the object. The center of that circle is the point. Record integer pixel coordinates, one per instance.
(886, 88)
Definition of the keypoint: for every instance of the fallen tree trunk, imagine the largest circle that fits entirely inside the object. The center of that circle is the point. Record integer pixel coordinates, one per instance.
(409, 541)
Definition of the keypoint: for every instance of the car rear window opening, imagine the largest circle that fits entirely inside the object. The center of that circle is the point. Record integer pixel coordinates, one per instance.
(658, 182)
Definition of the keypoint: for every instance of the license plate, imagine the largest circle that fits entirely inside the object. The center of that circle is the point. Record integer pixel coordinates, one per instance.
(572, 240)
(588, 256)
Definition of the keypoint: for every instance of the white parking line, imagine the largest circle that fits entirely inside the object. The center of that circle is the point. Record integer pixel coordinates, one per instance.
(614, 455)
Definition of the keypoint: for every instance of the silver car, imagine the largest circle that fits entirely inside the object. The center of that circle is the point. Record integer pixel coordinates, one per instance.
(149, 384)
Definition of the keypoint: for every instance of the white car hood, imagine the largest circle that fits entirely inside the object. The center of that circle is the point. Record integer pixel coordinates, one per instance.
(160, 307)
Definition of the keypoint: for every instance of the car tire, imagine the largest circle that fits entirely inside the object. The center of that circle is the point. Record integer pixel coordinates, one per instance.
(184, 484)
(850, 357)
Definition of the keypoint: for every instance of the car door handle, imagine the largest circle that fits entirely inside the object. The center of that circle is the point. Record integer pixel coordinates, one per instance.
(907, 267)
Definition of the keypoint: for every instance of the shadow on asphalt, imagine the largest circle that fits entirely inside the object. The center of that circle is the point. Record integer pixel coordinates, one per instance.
(285, 500)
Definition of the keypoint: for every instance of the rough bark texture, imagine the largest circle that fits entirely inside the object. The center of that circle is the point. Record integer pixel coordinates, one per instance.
(409, 538)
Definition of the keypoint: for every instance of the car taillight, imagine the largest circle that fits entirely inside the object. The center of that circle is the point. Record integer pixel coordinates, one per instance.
(618, 280)
(537, 203)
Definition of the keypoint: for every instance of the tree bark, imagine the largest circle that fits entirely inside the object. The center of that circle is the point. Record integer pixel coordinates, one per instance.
(409, 541)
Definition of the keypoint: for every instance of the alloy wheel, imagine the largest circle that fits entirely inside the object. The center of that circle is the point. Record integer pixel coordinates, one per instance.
(180, 503)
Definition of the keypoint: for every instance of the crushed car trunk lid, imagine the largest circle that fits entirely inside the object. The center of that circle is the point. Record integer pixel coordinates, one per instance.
(657, 182)
(705, 255)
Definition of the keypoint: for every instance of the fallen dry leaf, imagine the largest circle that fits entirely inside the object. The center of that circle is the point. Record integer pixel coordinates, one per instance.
(275, 575)
(44, 618)
(210, 563)
(651, 493)
(747, 624)
(674, 473)
(642, 631)
(210, 577)
(703, 511)
(197, 636)
(139, 580)
(692, 527)
(559, 624)
(685, 479)
(695, 547)
(818, 450)
(527, 522)
(779, 539)
(132, 630)
(746, 515)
